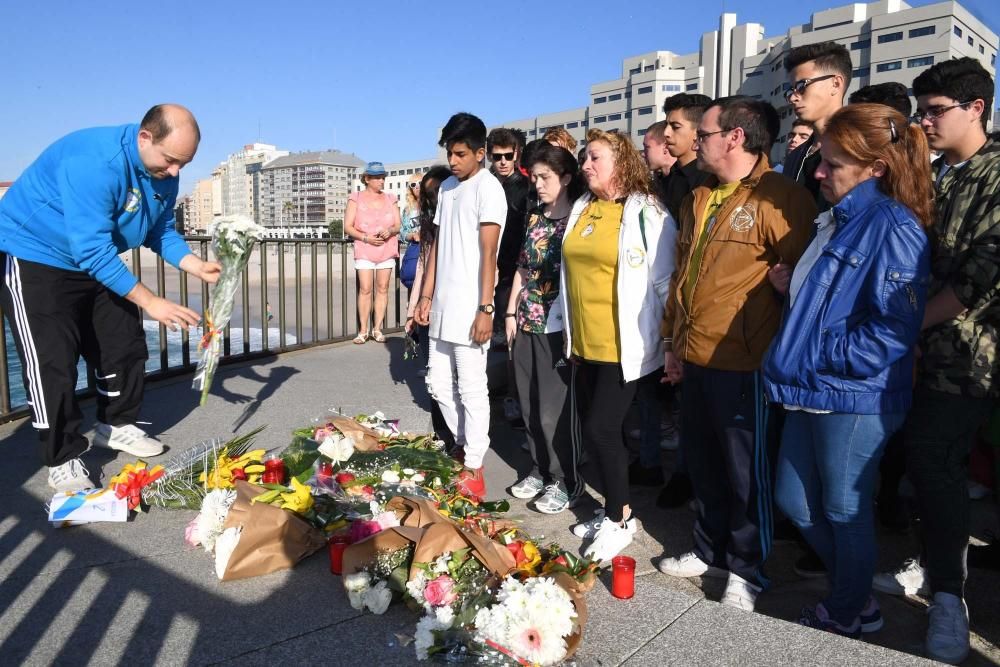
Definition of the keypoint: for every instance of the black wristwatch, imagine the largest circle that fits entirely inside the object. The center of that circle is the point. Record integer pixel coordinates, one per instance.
(486, 308)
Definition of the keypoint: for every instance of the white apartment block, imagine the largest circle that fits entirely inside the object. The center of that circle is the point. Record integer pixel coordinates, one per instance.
(889, 41)
(399, 174)
(239, 193)
(302, 193)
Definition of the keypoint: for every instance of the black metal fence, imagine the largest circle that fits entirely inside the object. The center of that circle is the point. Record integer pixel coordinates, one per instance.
(295, 294)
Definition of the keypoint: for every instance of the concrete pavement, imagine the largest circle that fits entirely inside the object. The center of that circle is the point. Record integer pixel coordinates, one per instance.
(134, 593)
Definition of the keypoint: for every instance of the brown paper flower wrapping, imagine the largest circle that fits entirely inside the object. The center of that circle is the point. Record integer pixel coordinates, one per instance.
(572, 586)
(272, 538)
(365, 439)
(439, 538)
(359, 554)
(415, 512)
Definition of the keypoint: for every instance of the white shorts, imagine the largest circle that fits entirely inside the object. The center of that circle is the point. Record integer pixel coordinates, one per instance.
(360, 264)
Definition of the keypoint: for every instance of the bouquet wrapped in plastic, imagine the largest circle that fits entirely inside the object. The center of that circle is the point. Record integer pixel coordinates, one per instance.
(233, 238)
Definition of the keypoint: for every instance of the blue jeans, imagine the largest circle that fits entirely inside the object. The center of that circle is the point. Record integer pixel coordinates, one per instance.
(826, 474)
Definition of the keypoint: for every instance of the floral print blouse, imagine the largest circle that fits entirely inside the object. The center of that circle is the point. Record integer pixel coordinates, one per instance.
(541, 256)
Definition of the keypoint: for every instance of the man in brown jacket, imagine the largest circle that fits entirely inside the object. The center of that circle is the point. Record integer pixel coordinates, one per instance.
(721, 314)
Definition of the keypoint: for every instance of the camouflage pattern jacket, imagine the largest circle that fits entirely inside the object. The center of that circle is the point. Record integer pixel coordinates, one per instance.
(959, 355)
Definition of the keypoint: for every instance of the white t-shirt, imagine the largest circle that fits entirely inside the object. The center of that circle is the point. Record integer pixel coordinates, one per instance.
(462, 207)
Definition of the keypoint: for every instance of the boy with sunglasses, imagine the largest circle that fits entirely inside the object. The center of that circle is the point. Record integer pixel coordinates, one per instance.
(959, 376)
(819, 75)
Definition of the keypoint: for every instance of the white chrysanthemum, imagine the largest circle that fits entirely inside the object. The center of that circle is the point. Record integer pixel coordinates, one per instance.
(224, 547)
(214, 510)
(415, 586)
(391, 477)
(409, 472)
(531, 619)
(423, 638)
(378, 597)
(337, 447)
(440, 565)
(418, 478)
(445, 616)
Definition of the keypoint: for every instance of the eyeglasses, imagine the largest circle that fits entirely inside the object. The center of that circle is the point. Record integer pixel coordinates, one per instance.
(799, 87)
(701, 136)
(934, 113)
(496, 157)
(413, 185)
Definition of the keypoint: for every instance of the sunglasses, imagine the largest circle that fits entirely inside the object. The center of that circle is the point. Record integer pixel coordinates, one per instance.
(799, 87)
(413, 185)
(496, 157)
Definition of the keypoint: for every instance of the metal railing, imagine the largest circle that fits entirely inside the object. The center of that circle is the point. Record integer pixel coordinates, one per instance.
(295, 294)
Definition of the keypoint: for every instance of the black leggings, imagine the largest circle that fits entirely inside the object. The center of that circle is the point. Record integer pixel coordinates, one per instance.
(604, 400)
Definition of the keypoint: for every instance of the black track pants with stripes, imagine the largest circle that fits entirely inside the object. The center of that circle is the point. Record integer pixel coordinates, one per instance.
(56, 316)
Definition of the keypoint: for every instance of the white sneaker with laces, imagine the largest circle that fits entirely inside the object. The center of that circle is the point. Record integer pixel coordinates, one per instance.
(588, 529)
(128, 438)
(527, 488)
(70, 477)
(555, 500)
(909, 579)
(740, 593)
(948, 629)
(690, 565)
(610, 539)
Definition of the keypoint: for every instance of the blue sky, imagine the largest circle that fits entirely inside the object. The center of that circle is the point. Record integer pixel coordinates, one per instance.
(375, 79)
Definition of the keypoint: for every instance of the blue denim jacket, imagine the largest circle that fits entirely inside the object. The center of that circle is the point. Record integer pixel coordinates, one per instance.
(847, 343)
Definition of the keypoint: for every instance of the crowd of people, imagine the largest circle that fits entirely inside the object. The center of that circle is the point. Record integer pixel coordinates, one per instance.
(803, 334)
(793, 323)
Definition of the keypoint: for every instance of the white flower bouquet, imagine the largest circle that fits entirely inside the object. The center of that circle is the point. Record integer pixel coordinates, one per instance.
(233, 238)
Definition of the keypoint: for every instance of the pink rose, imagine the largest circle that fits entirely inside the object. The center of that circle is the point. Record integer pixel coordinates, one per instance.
(321, 434)
(362, 528)
(441, 591)
(189, 533)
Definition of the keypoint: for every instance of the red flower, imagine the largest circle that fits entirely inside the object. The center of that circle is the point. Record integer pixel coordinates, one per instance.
(517, 550)
(344, 478)
(239, 473)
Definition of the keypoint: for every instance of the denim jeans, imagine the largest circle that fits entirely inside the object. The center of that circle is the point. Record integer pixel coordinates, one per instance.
(826, 474)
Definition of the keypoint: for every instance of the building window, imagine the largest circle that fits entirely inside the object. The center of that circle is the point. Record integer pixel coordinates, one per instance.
(920, 32)
(647, 68)
(600, 100)
(628, 94)
(601, 119)
(645, 111)
(584, 123)
(615, 97)
(864, 71)
(671, 87)
(645, 89)
(958, 31)
(970, 40)
(861, 44)
(641, 132)
(755, 73)
(993, 59)
(890, 37)
(888, 67)
(614, 116)
(691, 86)
(981, 49)
(570, 126)
(920, 62)
(634, 70)
(531, 133)
(628, 114)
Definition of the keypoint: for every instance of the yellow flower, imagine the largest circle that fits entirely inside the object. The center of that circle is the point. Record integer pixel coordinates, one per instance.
(299, 499)
(534, 558)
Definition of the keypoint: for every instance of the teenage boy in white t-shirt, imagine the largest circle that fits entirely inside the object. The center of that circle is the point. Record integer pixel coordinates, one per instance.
(456, 297)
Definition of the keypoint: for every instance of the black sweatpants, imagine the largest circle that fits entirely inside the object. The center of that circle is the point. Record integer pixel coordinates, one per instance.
(543, 381)
(725, 443)
(604, 399)
(56, 315)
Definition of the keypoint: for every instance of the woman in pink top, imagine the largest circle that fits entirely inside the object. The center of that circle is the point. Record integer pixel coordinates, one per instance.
(372, 220)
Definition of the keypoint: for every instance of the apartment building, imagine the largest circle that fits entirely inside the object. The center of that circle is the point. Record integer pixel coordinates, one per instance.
(240, 188)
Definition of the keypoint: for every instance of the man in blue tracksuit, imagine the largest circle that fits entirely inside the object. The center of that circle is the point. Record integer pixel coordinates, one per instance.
(90, 196)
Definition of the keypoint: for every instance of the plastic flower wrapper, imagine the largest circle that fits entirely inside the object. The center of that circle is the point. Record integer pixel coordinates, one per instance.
(233, 238)
(382, 578)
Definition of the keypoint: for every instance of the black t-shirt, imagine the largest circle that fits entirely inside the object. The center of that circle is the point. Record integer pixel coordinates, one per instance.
(515, 188)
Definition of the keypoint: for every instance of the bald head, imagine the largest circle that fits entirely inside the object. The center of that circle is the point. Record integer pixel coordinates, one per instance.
(168, 139)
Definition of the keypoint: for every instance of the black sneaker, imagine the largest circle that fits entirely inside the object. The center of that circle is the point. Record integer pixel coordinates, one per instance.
(676, 493)
(985, 557)
(810, 566)
(641, 476)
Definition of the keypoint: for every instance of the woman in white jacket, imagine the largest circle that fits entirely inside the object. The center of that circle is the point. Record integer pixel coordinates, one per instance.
(618, 254)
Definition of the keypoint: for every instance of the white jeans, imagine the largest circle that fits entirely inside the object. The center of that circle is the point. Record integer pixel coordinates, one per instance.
(465, 404)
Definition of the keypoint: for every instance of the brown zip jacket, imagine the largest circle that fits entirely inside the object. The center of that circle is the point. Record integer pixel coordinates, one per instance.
(734, 311)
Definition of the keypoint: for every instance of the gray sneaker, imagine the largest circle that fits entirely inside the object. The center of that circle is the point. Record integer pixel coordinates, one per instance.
(70, 477)
(527, 488)
(555, 500)
(128, 438)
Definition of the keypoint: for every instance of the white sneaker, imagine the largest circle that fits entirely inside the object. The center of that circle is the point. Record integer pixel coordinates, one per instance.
(909, 579)
(555, 500)
(948, 629)
(128, 438)
(610, 539)
(740, 593)
(588, 529)
(70, 477)
(527, 488)
(690, 565)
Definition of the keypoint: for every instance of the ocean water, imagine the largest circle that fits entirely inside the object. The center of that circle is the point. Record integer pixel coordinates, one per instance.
(174, 353)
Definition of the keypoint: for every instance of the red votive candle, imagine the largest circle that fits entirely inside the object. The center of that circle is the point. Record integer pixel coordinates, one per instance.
(337, 544)
(274, 468)
(623, 577)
